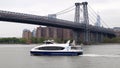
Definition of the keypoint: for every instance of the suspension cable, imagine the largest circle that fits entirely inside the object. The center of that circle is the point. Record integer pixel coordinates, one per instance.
(65, 10)
(92, 19)
(96, 15)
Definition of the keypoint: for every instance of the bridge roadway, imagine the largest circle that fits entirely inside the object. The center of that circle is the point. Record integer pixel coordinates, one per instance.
(42, 20)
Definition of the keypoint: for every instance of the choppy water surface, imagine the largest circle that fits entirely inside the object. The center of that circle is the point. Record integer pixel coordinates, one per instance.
(95, 56)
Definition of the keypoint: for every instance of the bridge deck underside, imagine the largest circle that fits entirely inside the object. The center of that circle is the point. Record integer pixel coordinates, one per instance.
(42, 20)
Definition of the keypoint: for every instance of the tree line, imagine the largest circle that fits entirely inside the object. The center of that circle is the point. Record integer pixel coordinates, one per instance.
(33, 40)
(15, 40)
(12, 40)
(112, 40)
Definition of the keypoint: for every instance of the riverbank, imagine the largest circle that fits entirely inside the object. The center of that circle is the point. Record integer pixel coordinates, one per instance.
(14, 40)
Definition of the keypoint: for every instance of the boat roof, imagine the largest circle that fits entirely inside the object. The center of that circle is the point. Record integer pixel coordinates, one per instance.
(48, 41)
(57, 45)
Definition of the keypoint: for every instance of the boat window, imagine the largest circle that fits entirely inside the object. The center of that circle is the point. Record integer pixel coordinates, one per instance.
(51, 48)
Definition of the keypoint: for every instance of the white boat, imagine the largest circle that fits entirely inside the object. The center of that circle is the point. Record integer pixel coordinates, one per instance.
(54, 49)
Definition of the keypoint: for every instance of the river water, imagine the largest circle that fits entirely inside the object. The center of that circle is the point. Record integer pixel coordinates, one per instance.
(95, 56)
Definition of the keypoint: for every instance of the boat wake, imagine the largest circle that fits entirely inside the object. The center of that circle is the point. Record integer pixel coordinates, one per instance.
(98, 55)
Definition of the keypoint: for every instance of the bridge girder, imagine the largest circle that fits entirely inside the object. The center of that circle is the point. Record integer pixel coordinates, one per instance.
(42, 20)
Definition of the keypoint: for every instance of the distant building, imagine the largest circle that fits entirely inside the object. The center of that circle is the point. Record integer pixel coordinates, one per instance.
(67, 34)
(38, 32)
(52, 32)
(27, 34)
(44, 32)
(34, 33)
(117, 31)
(60, 33)
(49, 33)
(116, 28)
(98, 22)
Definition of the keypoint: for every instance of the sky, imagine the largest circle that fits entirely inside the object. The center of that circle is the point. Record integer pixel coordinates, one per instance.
(109, 11)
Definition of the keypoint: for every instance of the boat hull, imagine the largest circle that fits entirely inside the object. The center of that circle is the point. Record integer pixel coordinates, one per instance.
(55, 53)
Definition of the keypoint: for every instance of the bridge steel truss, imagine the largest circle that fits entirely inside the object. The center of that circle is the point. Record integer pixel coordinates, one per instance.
(42, 20)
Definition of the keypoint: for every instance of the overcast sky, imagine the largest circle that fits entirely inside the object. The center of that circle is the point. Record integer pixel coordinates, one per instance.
(109, 10)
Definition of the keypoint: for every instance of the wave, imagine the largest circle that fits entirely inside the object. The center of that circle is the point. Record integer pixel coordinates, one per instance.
(100, 55)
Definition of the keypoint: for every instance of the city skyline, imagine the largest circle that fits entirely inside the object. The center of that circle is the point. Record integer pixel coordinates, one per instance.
(7, 29)
(48, 33)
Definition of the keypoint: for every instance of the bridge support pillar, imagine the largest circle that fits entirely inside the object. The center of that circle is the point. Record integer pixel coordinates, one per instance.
(86, 21)
(76, 20)
(77, 13)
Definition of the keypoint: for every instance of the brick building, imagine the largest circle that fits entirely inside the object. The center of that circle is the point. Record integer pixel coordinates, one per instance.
(27, 34)
(53, 33)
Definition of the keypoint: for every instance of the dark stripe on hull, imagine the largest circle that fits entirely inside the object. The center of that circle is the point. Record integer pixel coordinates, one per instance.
(56, 53)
